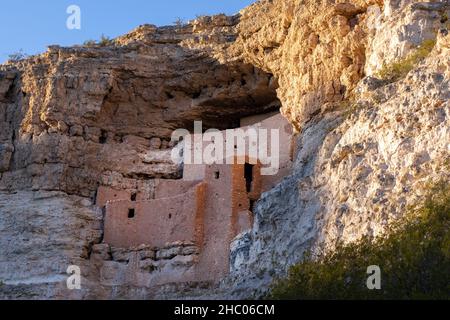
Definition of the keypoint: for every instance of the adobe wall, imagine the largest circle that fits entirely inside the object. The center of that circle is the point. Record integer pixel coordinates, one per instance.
(105, 194)
(194, 172)
(156, 222)
(218, 230)
(242, 216)
(209, 214)
(286, 143)
(227, 213)
(161, 188)
(169, 188)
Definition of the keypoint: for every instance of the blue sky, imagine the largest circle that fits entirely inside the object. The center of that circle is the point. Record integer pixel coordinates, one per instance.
(32, 25)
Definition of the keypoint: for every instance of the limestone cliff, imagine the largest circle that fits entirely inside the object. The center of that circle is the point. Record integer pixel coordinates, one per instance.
(358, 169)
(75, 118)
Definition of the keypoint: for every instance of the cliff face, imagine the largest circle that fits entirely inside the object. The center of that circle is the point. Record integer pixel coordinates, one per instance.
(315, 48)
(356, 172)
(76, 118)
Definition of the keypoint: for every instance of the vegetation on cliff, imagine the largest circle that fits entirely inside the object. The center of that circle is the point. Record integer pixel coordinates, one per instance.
(104, 41)
(414, 258)
(398, 70)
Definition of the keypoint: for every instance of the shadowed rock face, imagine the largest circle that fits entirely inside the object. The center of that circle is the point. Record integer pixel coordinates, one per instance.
(74, 118)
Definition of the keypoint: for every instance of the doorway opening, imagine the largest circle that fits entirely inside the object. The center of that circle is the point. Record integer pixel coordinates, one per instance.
(248, 173)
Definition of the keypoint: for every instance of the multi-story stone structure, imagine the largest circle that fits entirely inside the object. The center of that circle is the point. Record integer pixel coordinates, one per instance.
(207, 209)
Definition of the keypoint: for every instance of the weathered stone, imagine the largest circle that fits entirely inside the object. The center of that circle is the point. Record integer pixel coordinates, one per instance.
(155, 143)
(169, 253)
(80, 117)
(400, 28)
(103, 250)
(120, 254)
(6, 151)
(76, 130)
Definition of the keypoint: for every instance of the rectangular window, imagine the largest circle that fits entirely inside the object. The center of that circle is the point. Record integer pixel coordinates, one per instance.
(248, 172)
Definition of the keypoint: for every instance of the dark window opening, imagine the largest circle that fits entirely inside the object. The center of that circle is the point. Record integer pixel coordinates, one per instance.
(133, 196)
(169, 95)
(95, 196)
(252, 205)
(217, 174)
(103, 137)
(131, 213)
(196, 95)
(170, 216)
(248, 172)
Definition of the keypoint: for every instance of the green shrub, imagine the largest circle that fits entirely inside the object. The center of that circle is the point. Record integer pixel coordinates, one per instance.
(400, 69)
(414, 257)
(103, 42)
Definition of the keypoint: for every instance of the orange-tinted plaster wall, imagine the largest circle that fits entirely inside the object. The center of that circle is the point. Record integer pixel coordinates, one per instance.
(242, 216)
(218, 231)
(286, 143)
(105, 194)
(171, 188)
(227, 213)
(156, 222)
(286, 149)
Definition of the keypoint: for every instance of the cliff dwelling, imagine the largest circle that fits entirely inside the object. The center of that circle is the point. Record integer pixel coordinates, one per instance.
(88, 178)
(207, 208)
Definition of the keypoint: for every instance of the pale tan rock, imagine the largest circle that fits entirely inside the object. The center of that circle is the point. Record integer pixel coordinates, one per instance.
(317, 58)
(399, 28)
(72, 119)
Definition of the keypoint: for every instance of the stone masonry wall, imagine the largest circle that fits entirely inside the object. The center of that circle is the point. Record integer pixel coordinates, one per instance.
(155, 222)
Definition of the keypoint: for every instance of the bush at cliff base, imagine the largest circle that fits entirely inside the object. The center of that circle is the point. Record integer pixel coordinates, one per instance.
(414, 258)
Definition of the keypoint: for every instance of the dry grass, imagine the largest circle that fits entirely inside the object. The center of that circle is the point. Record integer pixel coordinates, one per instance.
(398, 70)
